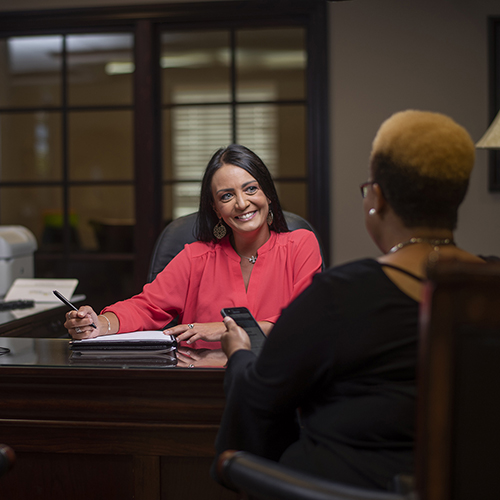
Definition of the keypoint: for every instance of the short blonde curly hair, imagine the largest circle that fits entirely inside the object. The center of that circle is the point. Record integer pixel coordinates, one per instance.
(422, 162)
(431, 143)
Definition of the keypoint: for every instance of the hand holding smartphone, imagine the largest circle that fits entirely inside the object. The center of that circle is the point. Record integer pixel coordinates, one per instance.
(243, 318)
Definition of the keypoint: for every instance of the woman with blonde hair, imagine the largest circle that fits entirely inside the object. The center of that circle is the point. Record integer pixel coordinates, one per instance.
(344, 352)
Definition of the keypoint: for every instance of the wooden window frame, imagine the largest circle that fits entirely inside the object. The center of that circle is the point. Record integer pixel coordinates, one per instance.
(145, 22)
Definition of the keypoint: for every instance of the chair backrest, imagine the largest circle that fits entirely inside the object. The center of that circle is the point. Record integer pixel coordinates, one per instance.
(458, 421)
(182, 231)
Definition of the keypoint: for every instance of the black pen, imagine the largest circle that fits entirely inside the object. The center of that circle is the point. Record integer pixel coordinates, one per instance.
(62, 298)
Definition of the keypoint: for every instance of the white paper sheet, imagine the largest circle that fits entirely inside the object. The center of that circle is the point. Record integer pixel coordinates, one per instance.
(40, 290)
(133, 336)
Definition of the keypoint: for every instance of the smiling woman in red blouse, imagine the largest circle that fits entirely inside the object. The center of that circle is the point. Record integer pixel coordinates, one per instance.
(245, 256)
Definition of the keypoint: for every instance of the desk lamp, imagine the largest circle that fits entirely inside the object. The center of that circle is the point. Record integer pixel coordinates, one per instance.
(491, 138)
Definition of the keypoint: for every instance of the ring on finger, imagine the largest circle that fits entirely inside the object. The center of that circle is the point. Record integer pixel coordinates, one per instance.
(78, 330)
(190, 326)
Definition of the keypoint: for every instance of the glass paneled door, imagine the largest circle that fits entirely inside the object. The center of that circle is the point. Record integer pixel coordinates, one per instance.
(233, 86)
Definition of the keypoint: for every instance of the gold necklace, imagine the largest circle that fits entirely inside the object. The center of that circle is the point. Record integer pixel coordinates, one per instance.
(435, 242)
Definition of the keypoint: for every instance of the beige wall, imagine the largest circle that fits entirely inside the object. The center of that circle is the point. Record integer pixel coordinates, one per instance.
(388, 55)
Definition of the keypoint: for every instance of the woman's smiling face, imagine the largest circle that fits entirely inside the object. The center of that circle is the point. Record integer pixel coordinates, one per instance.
(239, 200)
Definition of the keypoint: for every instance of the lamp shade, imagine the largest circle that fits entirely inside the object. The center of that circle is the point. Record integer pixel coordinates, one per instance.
(491, 138)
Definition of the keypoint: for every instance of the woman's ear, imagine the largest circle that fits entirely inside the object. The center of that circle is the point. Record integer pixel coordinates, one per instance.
(380, 203)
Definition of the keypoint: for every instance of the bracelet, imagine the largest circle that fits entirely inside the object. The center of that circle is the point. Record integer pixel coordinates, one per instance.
(107, 319)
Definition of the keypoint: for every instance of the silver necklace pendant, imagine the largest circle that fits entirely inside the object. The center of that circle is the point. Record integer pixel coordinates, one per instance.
(252, 259)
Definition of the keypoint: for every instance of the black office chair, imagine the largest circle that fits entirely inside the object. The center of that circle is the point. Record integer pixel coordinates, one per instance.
(458, 408)
(182, 231)
(258, 478)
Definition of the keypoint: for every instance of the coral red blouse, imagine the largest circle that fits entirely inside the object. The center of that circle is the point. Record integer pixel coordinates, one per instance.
(205, 277)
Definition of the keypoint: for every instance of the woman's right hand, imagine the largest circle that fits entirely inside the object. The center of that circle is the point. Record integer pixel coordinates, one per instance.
(78, 323)
(234, 338)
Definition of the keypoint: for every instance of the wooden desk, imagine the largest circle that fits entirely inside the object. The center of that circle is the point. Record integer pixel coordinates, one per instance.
(41, 321)
(111, 433)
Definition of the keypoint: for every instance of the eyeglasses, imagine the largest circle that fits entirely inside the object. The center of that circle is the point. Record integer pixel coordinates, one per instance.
(364, 187)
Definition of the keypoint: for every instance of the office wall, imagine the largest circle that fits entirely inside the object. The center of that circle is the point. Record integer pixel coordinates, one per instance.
(388, 55)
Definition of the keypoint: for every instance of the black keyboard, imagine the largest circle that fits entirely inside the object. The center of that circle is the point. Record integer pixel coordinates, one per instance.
(16, 304)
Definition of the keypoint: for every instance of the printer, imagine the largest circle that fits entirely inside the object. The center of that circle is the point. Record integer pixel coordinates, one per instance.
(17, 248)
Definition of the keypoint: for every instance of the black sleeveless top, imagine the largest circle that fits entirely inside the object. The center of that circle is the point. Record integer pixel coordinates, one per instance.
(404, 271)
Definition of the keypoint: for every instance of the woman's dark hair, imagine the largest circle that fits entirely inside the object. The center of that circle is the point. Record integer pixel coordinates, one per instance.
(419, 200)
(242, 157)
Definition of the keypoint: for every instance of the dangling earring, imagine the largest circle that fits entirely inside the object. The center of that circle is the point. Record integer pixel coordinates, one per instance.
(372, 211)
(220, 230)
(270, 217)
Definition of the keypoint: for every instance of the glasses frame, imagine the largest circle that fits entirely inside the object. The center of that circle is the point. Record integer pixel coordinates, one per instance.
(363, 188)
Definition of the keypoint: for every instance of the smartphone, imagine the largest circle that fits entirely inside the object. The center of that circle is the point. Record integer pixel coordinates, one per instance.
(243, 317)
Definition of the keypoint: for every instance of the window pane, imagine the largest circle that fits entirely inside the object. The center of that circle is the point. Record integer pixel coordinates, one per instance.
(257, 130)
(30, 71)
(274, 57)
(196, 133)
(100, 69)
(105, 217)
(193, 59)
(32, 207)
(186, 198)
(168, 156)
(101, 145)
(30, 146)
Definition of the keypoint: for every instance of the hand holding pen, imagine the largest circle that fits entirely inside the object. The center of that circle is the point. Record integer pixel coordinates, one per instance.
(77, 323)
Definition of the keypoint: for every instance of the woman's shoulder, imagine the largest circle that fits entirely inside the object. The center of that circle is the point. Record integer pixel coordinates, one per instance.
(297, 236)
(353, 269)
(200, 248)
(358, 283)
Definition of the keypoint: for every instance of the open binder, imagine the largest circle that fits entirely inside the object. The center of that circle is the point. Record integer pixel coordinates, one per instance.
(153, 341)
